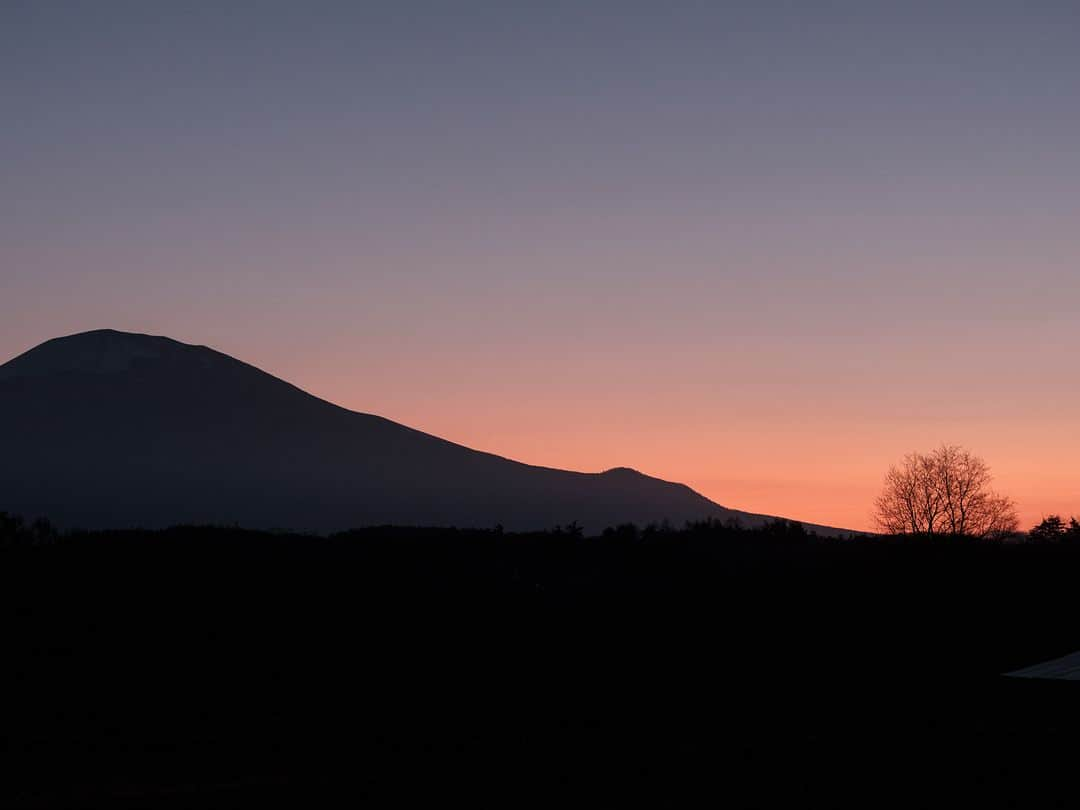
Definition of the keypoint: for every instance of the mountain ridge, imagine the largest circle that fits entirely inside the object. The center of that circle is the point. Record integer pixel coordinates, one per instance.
(180, 429)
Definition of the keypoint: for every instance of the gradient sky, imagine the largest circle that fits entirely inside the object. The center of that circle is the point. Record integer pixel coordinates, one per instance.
(762, 248)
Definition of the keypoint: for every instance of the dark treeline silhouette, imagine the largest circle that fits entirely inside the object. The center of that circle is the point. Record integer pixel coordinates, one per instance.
(213, 666)
(1054, 529)
(14, 531)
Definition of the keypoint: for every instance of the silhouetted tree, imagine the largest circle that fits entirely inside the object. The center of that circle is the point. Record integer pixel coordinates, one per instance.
(624, 531)
(945, 492)
(787, 530)
(573, 528)
(14, 531)
(1051, 530)
(1072, 534)
(10, 529)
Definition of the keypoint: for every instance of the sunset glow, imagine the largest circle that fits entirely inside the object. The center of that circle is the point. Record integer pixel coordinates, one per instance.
(762, 255)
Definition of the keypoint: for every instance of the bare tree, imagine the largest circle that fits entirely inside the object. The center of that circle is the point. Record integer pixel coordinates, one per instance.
(945, 492)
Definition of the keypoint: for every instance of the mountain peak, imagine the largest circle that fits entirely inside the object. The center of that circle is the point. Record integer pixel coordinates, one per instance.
(112, 429)
(100, 351)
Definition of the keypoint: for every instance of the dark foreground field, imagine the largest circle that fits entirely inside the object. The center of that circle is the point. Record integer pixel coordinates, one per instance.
(216, 668)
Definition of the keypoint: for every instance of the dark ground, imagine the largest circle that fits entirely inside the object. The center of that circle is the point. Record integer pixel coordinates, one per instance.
(215, 668)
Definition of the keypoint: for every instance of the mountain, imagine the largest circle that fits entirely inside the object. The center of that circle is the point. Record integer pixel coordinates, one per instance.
(109, 429)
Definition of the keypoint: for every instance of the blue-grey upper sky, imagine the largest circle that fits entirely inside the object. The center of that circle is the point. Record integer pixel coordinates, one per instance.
(493, 219)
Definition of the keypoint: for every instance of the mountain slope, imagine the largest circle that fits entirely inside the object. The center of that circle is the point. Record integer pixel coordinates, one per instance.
(112, 429)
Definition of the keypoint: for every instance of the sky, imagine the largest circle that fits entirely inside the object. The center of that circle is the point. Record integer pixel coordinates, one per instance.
(763, 248)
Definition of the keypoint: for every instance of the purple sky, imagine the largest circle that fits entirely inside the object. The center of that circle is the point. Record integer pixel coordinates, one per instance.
(763, 248)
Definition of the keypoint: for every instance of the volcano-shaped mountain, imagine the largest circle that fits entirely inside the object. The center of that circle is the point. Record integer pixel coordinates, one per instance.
(109, 429)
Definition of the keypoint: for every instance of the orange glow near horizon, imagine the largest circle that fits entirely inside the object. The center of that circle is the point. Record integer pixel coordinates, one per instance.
(819, 459)
(802, 423)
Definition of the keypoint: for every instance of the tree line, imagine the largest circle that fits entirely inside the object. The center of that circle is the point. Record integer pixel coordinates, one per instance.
(945, 493)
(15, 531)
(1054, 529)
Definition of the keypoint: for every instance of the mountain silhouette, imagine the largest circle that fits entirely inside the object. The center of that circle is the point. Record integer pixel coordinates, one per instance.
(109, 429)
